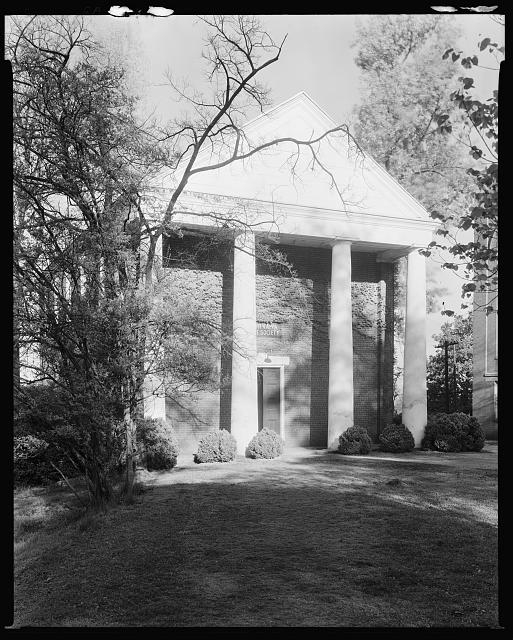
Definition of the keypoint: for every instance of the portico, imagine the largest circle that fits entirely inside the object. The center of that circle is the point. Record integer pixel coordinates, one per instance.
(340, 393)
(377, 224)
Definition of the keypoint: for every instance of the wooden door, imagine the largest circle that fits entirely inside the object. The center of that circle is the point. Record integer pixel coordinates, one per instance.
(269, 398)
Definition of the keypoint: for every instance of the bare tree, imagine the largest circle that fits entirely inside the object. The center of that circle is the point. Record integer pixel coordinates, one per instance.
(83, 167)
(238, 51)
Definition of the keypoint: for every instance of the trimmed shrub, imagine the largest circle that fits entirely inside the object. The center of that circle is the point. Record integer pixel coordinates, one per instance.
(218, 446)
(354, 441)
(396, 438)
(472, 435)
(453, 432)
(265, 444)
(157, 445)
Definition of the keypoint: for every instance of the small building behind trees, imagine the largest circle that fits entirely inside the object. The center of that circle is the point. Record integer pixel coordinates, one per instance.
(485, 363)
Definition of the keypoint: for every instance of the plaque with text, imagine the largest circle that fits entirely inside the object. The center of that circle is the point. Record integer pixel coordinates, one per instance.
(270, 329)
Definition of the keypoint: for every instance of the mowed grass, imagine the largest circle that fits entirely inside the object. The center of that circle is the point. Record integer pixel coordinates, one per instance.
(310, 539)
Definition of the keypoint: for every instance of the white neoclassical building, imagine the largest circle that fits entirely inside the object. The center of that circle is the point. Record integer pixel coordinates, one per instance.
(342, 221)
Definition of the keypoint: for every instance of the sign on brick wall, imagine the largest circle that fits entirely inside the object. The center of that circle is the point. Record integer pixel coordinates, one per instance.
(269, 329)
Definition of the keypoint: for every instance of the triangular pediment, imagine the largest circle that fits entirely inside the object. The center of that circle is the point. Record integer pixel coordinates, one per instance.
(339, 177)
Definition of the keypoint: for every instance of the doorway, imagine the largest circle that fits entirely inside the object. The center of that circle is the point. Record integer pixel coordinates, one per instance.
(270, 398)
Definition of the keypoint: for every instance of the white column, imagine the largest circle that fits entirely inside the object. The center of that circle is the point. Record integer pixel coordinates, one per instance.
(414, 373)
(340, 386)
(244, 416)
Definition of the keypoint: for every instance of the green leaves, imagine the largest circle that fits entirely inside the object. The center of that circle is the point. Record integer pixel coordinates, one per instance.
(484, 43)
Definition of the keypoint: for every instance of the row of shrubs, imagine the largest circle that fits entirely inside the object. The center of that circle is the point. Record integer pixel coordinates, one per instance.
(158, 448)
(448, 432)
(221, 446)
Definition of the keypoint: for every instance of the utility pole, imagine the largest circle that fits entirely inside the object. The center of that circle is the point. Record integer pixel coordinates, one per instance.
(445, 346)
(454, 380)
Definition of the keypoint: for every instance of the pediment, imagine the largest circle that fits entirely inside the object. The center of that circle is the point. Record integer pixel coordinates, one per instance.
(339, 178)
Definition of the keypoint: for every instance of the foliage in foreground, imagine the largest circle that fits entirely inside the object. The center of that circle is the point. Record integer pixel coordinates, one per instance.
(453, 432)
(30, 464)
(88, 296)
(158, 448)
(265, 444)
(396, 438)
(218, 446)
(477, 259)
(354, 441)
(82, 436)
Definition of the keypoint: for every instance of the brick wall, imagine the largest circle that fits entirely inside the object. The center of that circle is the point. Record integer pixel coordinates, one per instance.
(299, 306)
(372, 301)
(201, 274)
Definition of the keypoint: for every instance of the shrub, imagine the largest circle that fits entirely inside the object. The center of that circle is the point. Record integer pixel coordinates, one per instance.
(472, 435)
(265, 444)
(398, 418)
(30, 463)
(218, 446)
(453, 432)
(156, 444)
(396, 438)
(354, 441)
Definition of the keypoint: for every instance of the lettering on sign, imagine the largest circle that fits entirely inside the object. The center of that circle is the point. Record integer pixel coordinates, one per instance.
(268, 329)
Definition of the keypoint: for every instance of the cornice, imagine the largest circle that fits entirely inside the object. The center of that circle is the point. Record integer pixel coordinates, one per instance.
(225, 203)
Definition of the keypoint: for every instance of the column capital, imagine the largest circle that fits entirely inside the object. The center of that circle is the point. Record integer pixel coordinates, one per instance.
(415, 248)
(337, 241)
(244, 232)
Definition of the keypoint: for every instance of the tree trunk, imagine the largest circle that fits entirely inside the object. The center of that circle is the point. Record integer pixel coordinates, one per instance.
(130, 448)
(98, 486)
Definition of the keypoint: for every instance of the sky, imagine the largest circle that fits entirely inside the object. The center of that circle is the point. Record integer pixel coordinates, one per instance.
(318, 57)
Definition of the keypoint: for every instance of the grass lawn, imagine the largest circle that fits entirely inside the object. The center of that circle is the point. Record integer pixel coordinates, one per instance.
(308, 539)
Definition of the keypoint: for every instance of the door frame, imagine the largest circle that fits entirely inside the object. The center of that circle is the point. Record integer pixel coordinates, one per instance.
(275, 362)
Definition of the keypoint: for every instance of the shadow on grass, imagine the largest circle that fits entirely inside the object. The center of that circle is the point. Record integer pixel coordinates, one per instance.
(315, 541)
